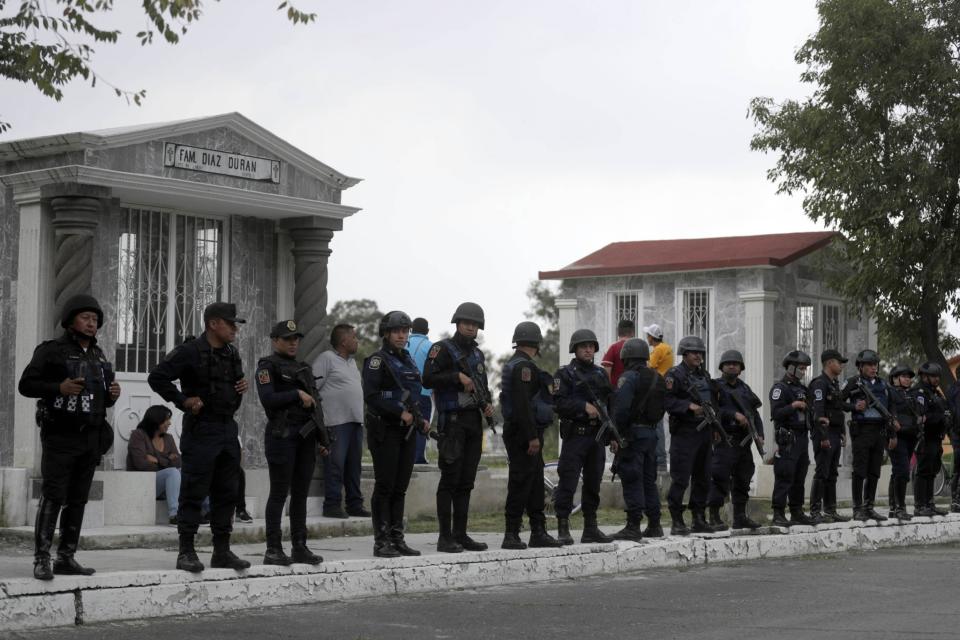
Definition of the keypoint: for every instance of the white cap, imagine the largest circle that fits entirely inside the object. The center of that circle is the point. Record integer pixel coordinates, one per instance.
(655, 331)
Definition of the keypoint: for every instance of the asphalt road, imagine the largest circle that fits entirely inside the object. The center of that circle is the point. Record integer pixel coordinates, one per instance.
(876, 595)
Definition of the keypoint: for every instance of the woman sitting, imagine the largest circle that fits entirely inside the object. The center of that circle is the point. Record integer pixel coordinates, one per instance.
(151, 448)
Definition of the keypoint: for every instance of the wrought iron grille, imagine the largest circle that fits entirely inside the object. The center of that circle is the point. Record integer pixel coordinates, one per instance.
(695, 316)
(626, 306)
(806, 332)
(831, 326)
(198, 271)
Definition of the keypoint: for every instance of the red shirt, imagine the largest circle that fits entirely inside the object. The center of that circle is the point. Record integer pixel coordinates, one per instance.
(612, 359)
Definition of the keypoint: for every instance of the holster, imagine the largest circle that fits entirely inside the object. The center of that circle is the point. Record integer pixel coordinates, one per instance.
(376, 430)
(450, 446)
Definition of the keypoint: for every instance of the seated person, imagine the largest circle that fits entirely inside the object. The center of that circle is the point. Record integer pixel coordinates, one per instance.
(151, 448)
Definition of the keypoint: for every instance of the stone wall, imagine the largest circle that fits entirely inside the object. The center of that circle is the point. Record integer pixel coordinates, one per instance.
(9, 243)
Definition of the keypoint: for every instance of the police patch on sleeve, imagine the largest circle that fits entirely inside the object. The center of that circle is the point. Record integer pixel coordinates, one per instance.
(556, 385)
(818, 395)
(263, 376)
(669, 382)
(375, 362)
(526, 375)
(434, 350)
(775, 395)
(920, 399)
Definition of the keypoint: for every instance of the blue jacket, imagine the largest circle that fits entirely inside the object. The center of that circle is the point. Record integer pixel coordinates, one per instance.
(419, 346)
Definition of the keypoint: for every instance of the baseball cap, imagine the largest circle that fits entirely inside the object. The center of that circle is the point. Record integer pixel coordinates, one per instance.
(224, 310)
(655, 331)
(832, 354)
(285, 329)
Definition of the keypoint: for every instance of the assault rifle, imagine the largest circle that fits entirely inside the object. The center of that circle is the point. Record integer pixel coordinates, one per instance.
(606, 423)
(325, 436)
(751, 424)
(410, 404)
(481, 393)
(874, 403)
(710, 416)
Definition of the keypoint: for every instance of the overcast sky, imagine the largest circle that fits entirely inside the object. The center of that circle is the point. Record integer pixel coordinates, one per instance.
(494, 139)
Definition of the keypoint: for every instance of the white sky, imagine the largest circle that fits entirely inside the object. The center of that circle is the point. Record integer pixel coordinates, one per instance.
(495, 139)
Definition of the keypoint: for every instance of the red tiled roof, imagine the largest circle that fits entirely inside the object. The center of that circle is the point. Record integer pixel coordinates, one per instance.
(693, 254)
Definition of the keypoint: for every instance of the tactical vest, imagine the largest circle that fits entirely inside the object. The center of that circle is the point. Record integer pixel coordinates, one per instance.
(833, 400)
(290, 375)
(904, 406)
(791, 392)
(453, 399)
(541, 401)
(215, 379)
(879, 389)
(89, 406)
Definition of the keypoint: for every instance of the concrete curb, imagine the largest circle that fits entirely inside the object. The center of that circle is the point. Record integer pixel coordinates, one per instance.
(28, 603)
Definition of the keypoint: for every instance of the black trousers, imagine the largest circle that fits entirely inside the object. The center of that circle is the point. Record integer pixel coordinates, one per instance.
(790, 472)
(731, 472)
(291, 462)
(211, 466)
(929, 462)
(68, 460)
(460, 451)
(690, 454)
(392, 467)
(525, 490)
(637, 467)
(869, 441)
(579, 453)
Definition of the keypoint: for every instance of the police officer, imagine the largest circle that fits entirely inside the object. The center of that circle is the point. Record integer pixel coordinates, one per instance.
(526, 403)
(791, 418)
(212, 384)
(292, 436)
(868, 429)
(74, 384)
(688, 389)
(391, 393)
(907, 404)
(934, 428)
(454, 367)
(828, 436)
(953, 429)
(637, 410)
(734, 460)
(579, 388)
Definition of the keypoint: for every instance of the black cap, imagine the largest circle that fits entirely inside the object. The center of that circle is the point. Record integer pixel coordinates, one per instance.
(223, 310)
(832, 354)
(285, 329)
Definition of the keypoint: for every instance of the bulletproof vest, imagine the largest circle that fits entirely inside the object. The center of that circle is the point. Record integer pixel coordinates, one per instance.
(743, 394)
(937, 409)
(453, 399)
(880, 390)
(579, 378)
(905, 405)
(646, 406)
(403, 370)
(542, 401)
(700, 388)
(89, 406)
(290, 375)
(790, 391)
(832, 400)
(215, 378)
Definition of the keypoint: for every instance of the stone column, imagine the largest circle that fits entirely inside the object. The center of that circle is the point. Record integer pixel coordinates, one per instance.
(75, 221)
(311, 250)
(566, 324)
(758, 309)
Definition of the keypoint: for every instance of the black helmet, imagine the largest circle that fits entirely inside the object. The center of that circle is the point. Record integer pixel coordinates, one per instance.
(394, 320)
(583, 335)
(77, 304)
(901, 370)
(691, 344)
(527, 333)
(867, 356)
(732, 355)
(635, 349)
(468, 311)
(930, 369)
(796, 358)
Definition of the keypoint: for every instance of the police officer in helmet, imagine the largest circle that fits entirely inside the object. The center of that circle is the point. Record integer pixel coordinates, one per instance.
(908, 405)
(790, 408)
(526, 403)
(579, 387)
(828, 436)
(688, 389)
(74, 385)
(292, 436)
(739, 405)
(212, 385)
(455, 371)
(929, 459)
(637, 410)
(391, 390)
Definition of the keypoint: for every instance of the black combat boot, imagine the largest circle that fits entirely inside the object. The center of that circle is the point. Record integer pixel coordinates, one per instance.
(539, 538)
(187, 559)
(741, 520)
(679, 527)
(591, 532)
(797, 516)
(461, 536)
(511, 537)
(631, 531)
(893, 506)
(716, 522)
(816, 501)
(46, 524)
(446, 543)
(901, 490)
(871, 494)
(653, 530)
(382, 546)
(563, 531)
(223, 557)
(780, 518)
(300, 553)
(71, 518)
(275, 554)
(858, 512)
(920, 506)
(830, 502)
(937, 511)
(699, 523)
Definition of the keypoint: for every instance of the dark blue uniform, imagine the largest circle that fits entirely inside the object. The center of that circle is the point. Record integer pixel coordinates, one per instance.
(580, 451)
(929, 458)
(209, 444)
(953, 401)
(690, 449)
(828, 403)
(460, 423)
(392, 451)
(291, 457)
(734, 460)
(868, 430)
(525, 401)
(792, 459)
(638, 406)
(908, 406)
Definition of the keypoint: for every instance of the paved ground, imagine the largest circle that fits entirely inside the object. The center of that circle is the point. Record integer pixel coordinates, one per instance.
(878, 595)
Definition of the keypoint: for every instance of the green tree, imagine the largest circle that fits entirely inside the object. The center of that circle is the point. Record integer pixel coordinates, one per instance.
(875, 151)
(48, 43)
(362, 314)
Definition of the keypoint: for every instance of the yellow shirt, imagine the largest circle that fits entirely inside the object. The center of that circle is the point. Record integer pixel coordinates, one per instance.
(661, 358)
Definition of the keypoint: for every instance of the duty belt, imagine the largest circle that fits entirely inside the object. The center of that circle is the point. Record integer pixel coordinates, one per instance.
(584, 428)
